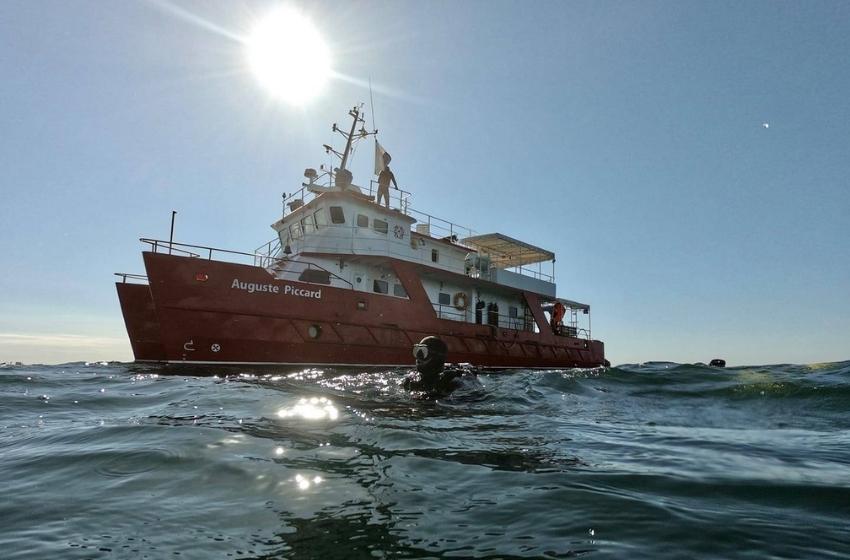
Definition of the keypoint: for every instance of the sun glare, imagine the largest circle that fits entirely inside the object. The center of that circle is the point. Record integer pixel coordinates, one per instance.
(289, 56)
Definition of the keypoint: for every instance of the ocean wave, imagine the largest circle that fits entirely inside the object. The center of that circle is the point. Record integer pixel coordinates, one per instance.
(656, 460)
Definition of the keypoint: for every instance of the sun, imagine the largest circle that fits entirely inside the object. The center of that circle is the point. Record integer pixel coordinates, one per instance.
(289, 56)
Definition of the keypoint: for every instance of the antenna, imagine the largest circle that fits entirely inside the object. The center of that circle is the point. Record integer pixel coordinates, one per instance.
(372, 106)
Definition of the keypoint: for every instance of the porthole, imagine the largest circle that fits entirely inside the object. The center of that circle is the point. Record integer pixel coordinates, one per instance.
(314, 331)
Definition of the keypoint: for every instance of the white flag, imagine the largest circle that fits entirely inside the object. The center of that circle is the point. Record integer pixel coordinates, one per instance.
(382, 158)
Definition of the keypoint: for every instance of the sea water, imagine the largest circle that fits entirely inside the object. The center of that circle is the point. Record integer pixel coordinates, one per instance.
(638, 461)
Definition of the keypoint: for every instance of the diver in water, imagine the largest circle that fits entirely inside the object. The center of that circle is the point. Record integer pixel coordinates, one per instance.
(432, 378)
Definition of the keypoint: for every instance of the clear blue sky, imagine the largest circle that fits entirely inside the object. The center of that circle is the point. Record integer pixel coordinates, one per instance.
(627, 137)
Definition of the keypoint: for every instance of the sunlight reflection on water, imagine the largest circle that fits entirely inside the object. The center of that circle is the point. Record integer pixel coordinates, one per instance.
(304, 483)
(314, 408)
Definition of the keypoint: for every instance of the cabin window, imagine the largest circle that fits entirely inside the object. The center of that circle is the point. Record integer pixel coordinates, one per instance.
(319, 219)
(381, 287)
(315, 276)
(308, 224)
(295, 230)
(337, 216)
(444, 299)
(380, 226)
(513, 312)
(399, 291)
(435, 255)
(362, 220)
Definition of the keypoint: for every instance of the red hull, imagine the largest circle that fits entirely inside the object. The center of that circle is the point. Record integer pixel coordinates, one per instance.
(201, 317)
(141, 321)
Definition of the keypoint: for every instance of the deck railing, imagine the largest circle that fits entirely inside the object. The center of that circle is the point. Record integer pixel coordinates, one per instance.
(539, 274)
(266, 254)
(436, 227)
(503, 321)
(170, 247)
(126, 275)
(426, 224)
(399, 200)
(259, 259)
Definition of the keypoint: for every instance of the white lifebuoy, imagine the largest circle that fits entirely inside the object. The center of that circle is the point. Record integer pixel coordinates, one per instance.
(460, 302)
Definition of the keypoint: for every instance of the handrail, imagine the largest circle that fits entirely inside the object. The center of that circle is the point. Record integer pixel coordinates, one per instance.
(449, 311)
(451, 229)
(157, 243)
(265, 255)
(350, 234)
(399, 200)
(125, 275)
(268, 248)
(431, 226)
(531, 273)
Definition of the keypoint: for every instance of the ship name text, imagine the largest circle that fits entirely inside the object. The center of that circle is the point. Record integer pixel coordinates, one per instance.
(252, 287)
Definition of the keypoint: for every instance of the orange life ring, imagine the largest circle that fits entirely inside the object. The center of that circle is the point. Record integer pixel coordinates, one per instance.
(460, 302)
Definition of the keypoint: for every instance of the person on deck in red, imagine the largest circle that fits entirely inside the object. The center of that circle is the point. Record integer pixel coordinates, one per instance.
(384, 184)
(557, 316)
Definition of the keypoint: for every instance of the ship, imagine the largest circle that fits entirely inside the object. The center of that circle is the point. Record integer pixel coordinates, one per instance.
(347, 281)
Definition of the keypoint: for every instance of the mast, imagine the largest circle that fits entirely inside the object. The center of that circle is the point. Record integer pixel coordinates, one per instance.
(355, 113)
(341, 176)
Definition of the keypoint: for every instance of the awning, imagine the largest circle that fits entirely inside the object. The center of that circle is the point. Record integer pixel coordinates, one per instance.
(507, 252)
(547, 306)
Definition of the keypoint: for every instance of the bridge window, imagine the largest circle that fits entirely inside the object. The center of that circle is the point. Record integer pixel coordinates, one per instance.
(380, 287)
(295, 230)
(308, 224)
(320, 219)
(399, 291)
(380, 226)
(315, 276)
(362, 220)
(337, 216)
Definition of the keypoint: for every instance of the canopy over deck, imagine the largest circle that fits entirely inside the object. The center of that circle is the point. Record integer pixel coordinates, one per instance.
(507, 252)
(575, 305)
(549, 304)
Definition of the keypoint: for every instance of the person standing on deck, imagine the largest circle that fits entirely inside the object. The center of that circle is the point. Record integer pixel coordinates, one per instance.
(384, 185)
(558, 313)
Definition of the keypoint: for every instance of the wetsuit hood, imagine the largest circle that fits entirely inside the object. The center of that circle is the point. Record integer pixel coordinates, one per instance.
(430, 356)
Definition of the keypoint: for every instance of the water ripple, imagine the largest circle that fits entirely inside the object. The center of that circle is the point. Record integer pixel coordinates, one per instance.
(654, 460)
